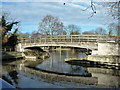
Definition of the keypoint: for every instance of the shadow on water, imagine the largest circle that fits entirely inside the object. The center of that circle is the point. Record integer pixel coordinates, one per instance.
(67, 74)
(7, 57)
(98, 67)
(12, 77)
(87, 63)
(10, 74)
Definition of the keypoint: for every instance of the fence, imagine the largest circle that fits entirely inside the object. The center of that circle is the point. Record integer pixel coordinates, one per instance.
(72, 38)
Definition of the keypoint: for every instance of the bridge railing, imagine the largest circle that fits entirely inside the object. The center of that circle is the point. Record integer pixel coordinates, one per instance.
(110, 39)
(71, 39)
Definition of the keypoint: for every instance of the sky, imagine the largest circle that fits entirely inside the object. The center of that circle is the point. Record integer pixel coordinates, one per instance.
(30, 13)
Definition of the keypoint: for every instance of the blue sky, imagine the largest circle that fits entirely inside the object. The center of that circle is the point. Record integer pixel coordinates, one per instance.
(31, 13)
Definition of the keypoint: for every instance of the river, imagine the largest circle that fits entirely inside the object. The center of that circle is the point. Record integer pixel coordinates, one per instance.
(56, 62)
(107, 77)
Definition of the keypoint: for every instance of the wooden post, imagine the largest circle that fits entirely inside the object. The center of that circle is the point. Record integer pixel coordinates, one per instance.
(51, 38)
(30, 41)
(71, 38)
(21, 40)
(25, 41)
(57, 38)
(87, 44)
(40, 39)
(45, 39)
(79, 38)
(65, 38)
(33, 40)
(98, 39)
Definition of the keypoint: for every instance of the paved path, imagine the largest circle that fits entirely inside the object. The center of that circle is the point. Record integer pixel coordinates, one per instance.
(5, 84)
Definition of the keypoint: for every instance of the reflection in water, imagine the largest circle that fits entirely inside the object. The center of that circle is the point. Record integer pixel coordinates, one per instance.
(56, 63)
(111, 76)
(106, 77)
(13, 74)
(21, 79)
(10, 75)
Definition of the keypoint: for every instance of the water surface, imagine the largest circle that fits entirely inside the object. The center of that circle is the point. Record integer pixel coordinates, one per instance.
(20, 79)
(57, 63)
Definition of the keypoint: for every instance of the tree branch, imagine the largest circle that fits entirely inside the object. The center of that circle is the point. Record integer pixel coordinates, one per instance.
(92, 6)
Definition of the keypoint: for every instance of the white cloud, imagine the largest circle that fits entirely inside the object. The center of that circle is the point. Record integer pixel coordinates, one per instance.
(59, 1)
(106, 0)
(71, 13)
(35, 0)
(13, 0)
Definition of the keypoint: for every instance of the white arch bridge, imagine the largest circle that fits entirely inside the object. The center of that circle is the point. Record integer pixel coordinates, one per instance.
(77, 41)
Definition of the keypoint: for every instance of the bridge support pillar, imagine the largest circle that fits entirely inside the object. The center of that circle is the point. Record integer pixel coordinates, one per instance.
(19, 47)
(110, 48)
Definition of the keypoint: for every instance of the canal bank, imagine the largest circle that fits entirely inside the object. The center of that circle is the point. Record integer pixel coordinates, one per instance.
(108, 53)
(29, 54)
(113, 60)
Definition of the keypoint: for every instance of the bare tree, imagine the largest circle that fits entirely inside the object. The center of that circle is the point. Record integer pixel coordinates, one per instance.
(36, 34)
(114, 29)
(100, 31)
(88, 32)
(24, 35)
(50, 25)
(64, 33)
(93, 7)
(112, 8)
(74, 29)
(60, 29)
